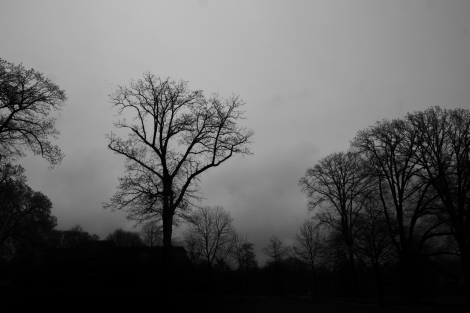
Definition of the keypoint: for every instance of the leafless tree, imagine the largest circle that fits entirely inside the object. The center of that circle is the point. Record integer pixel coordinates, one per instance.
(245, 258)
(151, 233)
(311, 247)
(193, 247)
(276, 250)
(175, 135)
(408, 201)
(443, 151)
(210, 234)
(373, 246)
(243, 253)
(26, 99)
(338, 185)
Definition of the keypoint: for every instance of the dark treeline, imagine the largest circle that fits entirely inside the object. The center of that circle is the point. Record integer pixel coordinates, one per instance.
(390, 217)
(396, 204)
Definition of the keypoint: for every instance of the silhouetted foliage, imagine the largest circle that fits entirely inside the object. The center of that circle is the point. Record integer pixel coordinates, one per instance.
(71, 238)
(26, 99)
(24, 213)
(123, 238)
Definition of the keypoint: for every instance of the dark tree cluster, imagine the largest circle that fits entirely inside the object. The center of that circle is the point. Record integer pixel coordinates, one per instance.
(397, 202)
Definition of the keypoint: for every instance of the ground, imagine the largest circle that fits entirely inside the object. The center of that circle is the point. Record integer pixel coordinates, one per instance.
(134, 300)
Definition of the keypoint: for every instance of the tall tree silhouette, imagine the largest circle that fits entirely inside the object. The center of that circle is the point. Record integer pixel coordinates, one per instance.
(175, 135)
(408, 201)
(443, 151)
(338, 185)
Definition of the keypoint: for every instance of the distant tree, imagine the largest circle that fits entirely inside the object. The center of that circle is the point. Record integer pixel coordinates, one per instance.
(210, 235)
(73, 237)
(277, 253)
(243, 253)
(26, 99)
(245, 258)
(443, 152)
(276, 250)
(123, 238)
(193, 248)
(311, 248)
(338, 185)
(151, 233)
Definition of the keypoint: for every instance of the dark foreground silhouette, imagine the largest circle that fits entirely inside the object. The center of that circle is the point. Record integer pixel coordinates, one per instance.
(137, 300)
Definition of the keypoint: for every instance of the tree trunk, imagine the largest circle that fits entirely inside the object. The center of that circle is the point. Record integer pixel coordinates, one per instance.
(352, 265)
(380, 291)
(166, 265)
(314, 283)
(466, 270)
(410, 278)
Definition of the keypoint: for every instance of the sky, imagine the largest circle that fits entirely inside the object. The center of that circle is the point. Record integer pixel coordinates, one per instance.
(312, 74)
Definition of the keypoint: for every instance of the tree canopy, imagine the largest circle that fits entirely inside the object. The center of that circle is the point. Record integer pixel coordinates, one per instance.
(175, 135)
(26, 100)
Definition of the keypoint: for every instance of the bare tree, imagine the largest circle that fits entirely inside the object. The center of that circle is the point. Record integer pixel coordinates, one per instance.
(26, 99)
(209, 238)
(443, 151)
(373, 246)
(193, 248)
(276, 250)
(243, 253)
(176, 135)
(123, 238)
(338, 185)
(408, 201)
(151, 233)
(245, 258)
(212, 234)
(311, 247)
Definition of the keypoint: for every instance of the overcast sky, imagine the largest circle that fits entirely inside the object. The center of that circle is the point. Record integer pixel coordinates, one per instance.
(312, 74)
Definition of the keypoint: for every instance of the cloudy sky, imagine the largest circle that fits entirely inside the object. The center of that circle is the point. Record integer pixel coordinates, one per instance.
(312, 74)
